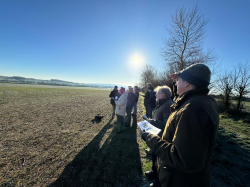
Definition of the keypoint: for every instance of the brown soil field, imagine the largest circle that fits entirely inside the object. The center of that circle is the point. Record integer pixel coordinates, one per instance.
(49, 137)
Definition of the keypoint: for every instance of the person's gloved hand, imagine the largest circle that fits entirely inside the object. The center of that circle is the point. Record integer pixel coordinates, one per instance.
(150, 121)
(144, 135)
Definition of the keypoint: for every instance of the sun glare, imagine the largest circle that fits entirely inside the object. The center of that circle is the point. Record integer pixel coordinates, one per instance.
(136, 61)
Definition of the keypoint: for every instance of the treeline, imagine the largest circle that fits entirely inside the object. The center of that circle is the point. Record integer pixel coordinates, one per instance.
(234, 84)
(230, 87)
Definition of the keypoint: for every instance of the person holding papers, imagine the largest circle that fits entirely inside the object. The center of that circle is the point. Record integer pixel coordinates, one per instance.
(162, 112)
(185, 148)
(163, 96)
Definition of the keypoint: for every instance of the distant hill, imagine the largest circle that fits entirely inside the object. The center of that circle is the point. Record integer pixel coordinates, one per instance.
(55, 82)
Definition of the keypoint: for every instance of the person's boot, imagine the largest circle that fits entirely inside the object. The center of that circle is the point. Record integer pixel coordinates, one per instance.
(150, 175)
(156, 183)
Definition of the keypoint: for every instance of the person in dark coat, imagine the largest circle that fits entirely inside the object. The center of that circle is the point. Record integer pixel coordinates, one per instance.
(151, 102)
(147, 94)
(130, 103)
(112, 96)
(163, 96)
(185, 148)
(136, 92)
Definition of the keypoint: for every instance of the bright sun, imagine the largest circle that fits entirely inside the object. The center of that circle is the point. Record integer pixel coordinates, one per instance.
(136, 61)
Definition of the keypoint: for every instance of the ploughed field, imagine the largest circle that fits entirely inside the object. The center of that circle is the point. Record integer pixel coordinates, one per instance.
(49, 136)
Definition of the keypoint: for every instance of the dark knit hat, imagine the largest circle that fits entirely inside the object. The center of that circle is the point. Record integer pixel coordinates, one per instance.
(197, 74)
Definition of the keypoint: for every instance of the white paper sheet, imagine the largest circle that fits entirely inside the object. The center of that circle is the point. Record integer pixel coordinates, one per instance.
(144, 125)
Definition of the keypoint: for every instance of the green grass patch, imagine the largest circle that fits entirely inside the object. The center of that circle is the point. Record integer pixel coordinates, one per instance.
(234, 128)
(146, 159)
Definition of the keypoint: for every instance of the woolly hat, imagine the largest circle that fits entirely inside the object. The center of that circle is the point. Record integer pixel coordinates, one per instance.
(150, 88)
(122, 90)
(197, 74)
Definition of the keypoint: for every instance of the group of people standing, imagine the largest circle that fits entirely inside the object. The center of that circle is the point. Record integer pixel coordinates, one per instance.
(181, 152)
(123, 102)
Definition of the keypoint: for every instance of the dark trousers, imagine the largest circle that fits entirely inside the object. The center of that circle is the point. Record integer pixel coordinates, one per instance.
(135, 108)
(113, 113)
(119, 119)
(149, 111)
(128, 117)
(154, 157)
(157, 181)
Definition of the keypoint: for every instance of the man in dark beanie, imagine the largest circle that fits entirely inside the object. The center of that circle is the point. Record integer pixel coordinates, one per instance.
(185, 148)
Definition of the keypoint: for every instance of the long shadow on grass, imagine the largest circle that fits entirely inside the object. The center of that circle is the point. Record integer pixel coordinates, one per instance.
(115, 163)
(230, 162)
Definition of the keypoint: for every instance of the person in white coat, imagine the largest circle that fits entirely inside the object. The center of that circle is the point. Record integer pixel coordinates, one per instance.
(120, 109)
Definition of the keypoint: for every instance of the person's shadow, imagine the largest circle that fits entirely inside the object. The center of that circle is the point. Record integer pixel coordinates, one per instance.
(115, 163)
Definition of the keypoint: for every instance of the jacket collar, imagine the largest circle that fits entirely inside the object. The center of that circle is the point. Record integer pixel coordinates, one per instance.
(191, 93)
(162, 101)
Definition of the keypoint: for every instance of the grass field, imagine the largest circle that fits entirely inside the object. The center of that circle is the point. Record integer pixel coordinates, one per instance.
(231, 163)
(43, 128)
(49, 137)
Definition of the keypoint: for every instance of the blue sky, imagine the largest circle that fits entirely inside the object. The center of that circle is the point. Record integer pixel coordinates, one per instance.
(97, 41)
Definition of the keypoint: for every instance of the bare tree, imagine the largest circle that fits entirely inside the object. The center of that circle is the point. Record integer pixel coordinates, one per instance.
(225, 85)
(148, 75)
(241, 83)
(184, 45)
